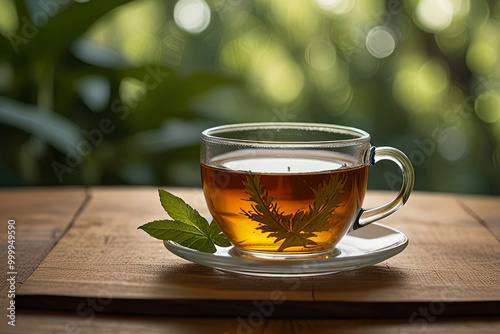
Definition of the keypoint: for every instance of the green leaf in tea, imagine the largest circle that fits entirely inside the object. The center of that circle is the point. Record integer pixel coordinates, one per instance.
(187, 228)
(294, 229)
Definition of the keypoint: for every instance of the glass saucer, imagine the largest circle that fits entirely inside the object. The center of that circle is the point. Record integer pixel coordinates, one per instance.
(361, 248)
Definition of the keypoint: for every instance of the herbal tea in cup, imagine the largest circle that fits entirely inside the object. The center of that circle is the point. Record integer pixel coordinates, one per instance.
(292, 189)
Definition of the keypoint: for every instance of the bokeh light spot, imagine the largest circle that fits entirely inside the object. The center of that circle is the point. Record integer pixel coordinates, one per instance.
(297, 17)
(496, 157)
(132, 30)
(339, 101)
(132, 91)
(481, 57)
(461, 8)
(282, 79)
(487, 106)
(434, 15)
(8, 16)
(421, 85)
(338, 7)
(455, 146)
(380, 42)
(143, 46)
(321, 55)
(192, 15)
(453, 38)
(432, 78)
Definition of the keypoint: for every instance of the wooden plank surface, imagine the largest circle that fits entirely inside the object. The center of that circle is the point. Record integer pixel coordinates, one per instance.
(41, 217)
(486, 209)
(451, 257)
(452, 263)
(71, 322)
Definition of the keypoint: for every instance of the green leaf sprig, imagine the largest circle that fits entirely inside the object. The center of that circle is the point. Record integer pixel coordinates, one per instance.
(295, 229)
(188, 228)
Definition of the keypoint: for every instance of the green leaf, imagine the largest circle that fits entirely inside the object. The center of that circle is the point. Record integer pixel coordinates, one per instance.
(178, 210)
(188, 228)
(297, 240)
(6, 48)
(171, 95)
(294, 229)
(78, 16)
(174, 133)
(217, 236)
(53, 128)
(98, 55)
(327, 199)
(182, 233)
(265, 212)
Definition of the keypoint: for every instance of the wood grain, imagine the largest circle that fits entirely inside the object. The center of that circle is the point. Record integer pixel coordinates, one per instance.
(104, 253)
(70, 322)
(486, 209)
(451, 257)
(41, 217)
(451, 266)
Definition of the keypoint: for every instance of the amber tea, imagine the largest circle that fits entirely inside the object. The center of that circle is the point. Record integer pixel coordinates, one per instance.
(292, 190)
(283, 205)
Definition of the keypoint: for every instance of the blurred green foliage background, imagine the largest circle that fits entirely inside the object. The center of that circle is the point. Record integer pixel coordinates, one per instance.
(118, 91)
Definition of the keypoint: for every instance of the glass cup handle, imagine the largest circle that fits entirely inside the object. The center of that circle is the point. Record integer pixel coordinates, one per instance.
(377, 154)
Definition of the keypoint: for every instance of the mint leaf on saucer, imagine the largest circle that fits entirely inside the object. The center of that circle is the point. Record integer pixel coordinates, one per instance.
(187, 228)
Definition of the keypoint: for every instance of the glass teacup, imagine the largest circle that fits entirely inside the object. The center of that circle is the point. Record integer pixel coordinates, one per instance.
(292, 189)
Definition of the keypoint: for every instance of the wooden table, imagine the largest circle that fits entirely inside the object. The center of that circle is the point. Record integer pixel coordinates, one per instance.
(81, 266)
